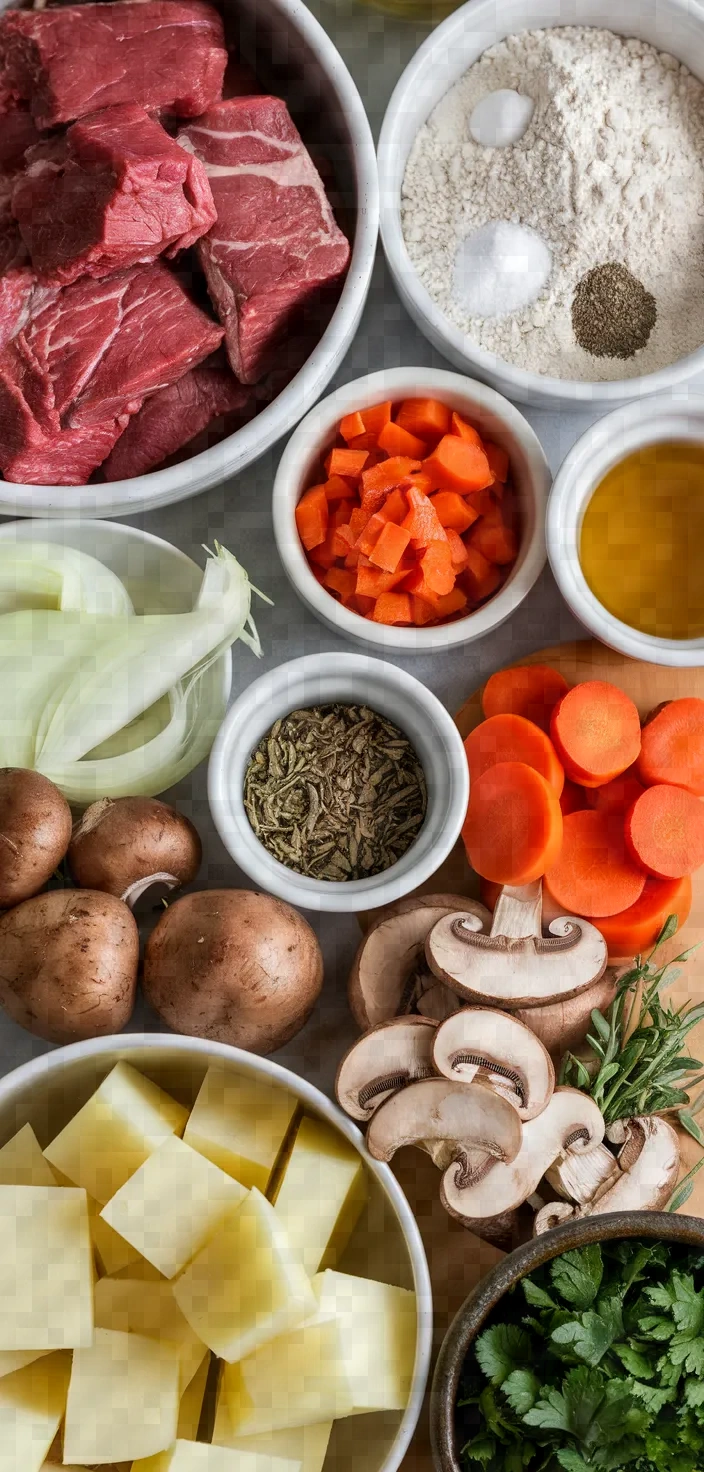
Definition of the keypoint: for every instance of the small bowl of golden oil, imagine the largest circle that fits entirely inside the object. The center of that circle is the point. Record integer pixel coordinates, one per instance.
(625, 530)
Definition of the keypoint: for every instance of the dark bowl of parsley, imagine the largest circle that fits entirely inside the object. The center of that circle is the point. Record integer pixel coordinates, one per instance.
(582, 1351)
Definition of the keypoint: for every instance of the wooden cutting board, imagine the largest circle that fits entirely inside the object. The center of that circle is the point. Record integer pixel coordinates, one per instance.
(457, 1259)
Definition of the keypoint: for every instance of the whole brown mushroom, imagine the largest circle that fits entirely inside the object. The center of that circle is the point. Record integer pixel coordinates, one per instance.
(35, 832)
(233, 965)
(125, 845)
(69, 964)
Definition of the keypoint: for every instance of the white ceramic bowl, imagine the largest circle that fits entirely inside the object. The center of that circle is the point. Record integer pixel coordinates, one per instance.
(492, 415)
(295, 58)
(319, 679)
(675, 26)
(386, 1243)
(158, 577)
(603, 446)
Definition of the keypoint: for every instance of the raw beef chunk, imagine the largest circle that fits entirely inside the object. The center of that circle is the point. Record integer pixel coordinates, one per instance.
(174, 416)
(119, 191)
(275, 243)
(83, 364)
(16, 275)
(161, 54)
(17, 133)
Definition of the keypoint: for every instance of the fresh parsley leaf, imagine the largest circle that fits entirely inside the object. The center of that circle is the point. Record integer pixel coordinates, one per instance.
(636, 1363)
(592, 1334)
(577, 1275)
(689, 1353)
(552, 1412)
(694, 1392)
(572, 1461)
(536, 1296)
(653, 1398)
(501, 1349)
(687, 1304)
(521, 1389)
(482, 1448)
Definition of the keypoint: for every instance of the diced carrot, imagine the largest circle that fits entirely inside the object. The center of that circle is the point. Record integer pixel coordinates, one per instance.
(341, 513)
(455, 465)
(368, 538)
(498, 461)
(511, 738)
(460, 560)
(393, 608)
(348, 462)
(351, 426)
(352, 558)
(595, 729)
(337, 489)
(480, 578)
(385, 476)
(422, 521)
(417, 482)
(367, 442)
(376, 416)
(312, 517)
(665, 831)
(485, 504)
(389, 547)
(513, 828)
(427, 418)
(453, 511)
(423, 611)
(358, 521)
(395, 506)
(573, 799)
(361, 603)
(372, 581)
(318, 573)
(448, 604)
(594, 874)
(374, 501)
(398, 441)
(530, 690)
(673, 746)
(435, 566)
(497, 542)
(466, 431)
(340, 580)
(324, 554)
(616, 796)
(343, 540)
(636, 929)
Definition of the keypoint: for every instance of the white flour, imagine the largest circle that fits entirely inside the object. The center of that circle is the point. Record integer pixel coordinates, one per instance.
(610, 169)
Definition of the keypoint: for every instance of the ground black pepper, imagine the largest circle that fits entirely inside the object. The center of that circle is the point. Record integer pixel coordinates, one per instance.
(612, 313)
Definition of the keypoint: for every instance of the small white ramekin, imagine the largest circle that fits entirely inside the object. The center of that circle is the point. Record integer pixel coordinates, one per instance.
(608, 441)
(351, 679)
(493, 416)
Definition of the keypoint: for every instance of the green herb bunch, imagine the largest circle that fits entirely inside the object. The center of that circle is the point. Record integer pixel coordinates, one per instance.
(595, 1361)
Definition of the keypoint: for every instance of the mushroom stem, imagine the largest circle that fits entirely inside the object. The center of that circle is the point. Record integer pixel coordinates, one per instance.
(583, 1178)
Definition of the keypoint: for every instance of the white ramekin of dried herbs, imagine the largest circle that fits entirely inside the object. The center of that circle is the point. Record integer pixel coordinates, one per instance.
(338, 782)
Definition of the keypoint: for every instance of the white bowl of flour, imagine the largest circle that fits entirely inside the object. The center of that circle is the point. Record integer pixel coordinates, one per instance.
(607, 179)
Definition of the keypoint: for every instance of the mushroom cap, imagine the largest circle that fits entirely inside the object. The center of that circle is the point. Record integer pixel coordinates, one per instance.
(392, 950)
(570, 1122)
(382, 1061)
(511, 1058)
(516, 972)
(465, 1115)
(552, 1215)
(125, 845)
(563, 1025)
(649, 1163)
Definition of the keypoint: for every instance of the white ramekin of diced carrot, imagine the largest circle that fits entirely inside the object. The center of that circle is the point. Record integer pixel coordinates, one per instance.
(409, 509)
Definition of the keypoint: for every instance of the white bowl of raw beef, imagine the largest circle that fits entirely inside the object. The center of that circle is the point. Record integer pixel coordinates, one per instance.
(125, 330)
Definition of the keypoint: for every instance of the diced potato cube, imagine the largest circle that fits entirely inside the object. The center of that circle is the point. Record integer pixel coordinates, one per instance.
(197, 1456)
(126, 1119)
(142, 1270)
(16, 1359)
(240, 1124)
(113, 1253)
(172, 1205)
(22, 1162)
(305, 1444)
(46, 1268)
(245, 1286)
(32, 1403)
(122, 1399)
(298, 1379)
(321, 1193)
(191, 1406)
(135, 1307)
(379, 1337)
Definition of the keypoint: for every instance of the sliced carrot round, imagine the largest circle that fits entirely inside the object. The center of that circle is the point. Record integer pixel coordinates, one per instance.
(665, 832)
(512, 739)
(572, 798)
(618, 795)
(513, 828)
(636, 929)
(594, 874)
(595, 729)
(530, 690)
(672, 748)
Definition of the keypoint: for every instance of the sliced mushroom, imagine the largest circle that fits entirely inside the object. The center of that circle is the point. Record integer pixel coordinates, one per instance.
(474, 1127)
(563, 1026)
(383, 1061)
(584, 1178)
(649, 1163)
(570, 1123)
(389, 972)
(516, 965)
(498, 1051)
(552, 1215)
(438, 1002)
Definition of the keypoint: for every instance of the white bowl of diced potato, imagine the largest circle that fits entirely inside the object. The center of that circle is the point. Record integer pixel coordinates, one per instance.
(201, 1269)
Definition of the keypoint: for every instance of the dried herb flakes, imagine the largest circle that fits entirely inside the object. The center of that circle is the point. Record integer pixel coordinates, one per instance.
(335, 792)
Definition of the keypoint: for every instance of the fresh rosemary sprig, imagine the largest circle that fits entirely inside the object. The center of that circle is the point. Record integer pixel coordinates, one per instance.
(643, 1068)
